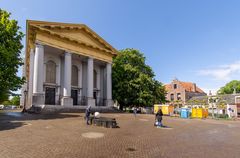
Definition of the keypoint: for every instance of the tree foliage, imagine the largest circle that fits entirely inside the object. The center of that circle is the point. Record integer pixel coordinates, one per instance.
(10, 50)
(133, 80)
(15, 100)
(229, 87)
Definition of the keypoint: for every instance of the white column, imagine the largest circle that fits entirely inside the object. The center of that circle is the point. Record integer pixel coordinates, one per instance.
(67, 100)
(67, 75)
(58, 77)
(91, 101)
(38, 69)
(90, 78)
(80, 74)
(30, 81)
(38, 94)
(109, 81)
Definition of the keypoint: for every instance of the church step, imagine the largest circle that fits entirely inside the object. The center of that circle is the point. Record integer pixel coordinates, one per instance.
(77, 109)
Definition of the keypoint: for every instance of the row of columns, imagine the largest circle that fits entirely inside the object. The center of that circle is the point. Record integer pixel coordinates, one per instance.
(36, 83)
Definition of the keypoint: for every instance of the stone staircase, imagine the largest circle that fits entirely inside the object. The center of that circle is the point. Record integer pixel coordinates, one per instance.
(46, 109)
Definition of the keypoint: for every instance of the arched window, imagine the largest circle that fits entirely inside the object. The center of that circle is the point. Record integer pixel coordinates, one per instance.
(51, 72)
(74, 75)
(94, 79)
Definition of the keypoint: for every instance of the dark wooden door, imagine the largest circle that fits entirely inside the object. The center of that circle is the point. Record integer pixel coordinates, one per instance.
(95, 97)
(50, 96)
(74, 95)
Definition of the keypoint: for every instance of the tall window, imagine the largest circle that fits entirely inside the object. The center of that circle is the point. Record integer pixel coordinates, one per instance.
(172, 97)
(94, 79)
(51, 72)
(74, 75)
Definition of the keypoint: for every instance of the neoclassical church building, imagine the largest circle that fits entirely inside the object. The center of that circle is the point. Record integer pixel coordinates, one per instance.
(67, 65)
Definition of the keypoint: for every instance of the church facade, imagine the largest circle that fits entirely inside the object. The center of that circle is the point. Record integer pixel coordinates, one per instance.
(67, 65)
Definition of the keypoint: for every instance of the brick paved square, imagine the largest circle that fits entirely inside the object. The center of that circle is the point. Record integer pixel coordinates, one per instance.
(67, 136)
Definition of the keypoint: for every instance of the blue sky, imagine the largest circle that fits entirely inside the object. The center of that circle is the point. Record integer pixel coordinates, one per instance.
(192, 40)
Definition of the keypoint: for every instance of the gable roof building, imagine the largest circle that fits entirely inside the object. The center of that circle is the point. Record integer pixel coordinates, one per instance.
(179, 91)
(67, 64)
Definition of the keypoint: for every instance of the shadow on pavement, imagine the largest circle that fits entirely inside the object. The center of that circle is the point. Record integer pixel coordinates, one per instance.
(12, 120)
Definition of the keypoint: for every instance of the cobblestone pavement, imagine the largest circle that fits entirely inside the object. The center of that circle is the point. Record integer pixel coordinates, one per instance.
(67, 136)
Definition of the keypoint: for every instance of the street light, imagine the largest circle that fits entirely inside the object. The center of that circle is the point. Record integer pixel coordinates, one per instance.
(24, 105)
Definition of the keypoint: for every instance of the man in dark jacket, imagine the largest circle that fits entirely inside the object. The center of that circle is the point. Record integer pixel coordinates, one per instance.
(158, 118)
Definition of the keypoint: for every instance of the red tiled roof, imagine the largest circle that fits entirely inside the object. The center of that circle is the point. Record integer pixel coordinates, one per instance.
(188, 86)
(168, 87)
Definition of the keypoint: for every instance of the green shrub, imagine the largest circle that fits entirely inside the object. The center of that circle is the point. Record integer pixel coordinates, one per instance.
(6, 103)
(222, 116)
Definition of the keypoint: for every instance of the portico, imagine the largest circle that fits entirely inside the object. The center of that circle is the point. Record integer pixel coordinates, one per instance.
(67, 65)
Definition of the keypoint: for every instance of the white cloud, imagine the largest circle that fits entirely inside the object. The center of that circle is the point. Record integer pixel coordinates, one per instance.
(222, 72)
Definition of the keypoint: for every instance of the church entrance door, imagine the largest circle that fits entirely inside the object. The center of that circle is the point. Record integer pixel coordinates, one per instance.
(74, 95)
(50, 96)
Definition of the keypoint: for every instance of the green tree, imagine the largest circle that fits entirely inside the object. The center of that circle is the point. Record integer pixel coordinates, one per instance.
(6, 103)
(133, 80)
(3, 96)
(230, 87)
(10, 50)
(15, 100)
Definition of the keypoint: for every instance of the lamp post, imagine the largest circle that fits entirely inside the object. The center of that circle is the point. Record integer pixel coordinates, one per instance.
(24, 105)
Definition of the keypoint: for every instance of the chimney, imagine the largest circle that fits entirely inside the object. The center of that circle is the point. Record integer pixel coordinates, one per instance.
(194, 88)
(210, 93)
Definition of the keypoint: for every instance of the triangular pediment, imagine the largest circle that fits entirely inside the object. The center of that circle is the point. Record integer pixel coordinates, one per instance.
(78, 33)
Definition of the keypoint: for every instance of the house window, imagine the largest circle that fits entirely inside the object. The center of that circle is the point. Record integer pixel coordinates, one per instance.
(172, 97)
(179, 96)
(175, 86)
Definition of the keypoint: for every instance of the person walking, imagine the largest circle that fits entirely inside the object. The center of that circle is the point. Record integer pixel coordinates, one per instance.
(87, 114)
(158, 118)
(135, 111)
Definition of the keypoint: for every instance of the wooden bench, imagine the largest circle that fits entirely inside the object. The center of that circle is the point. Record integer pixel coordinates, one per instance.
(104, 121)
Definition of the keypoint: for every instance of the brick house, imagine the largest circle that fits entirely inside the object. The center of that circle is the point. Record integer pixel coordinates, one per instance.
(182, 91)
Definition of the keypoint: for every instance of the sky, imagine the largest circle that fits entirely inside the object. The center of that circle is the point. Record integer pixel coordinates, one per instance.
(191, 40)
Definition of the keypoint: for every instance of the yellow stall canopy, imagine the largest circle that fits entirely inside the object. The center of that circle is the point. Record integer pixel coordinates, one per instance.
(166, 109)
(199, 113)
(156, 108)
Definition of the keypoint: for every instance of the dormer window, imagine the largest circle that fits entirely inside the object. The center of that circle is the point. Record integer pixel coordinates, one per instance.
(175, 86)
